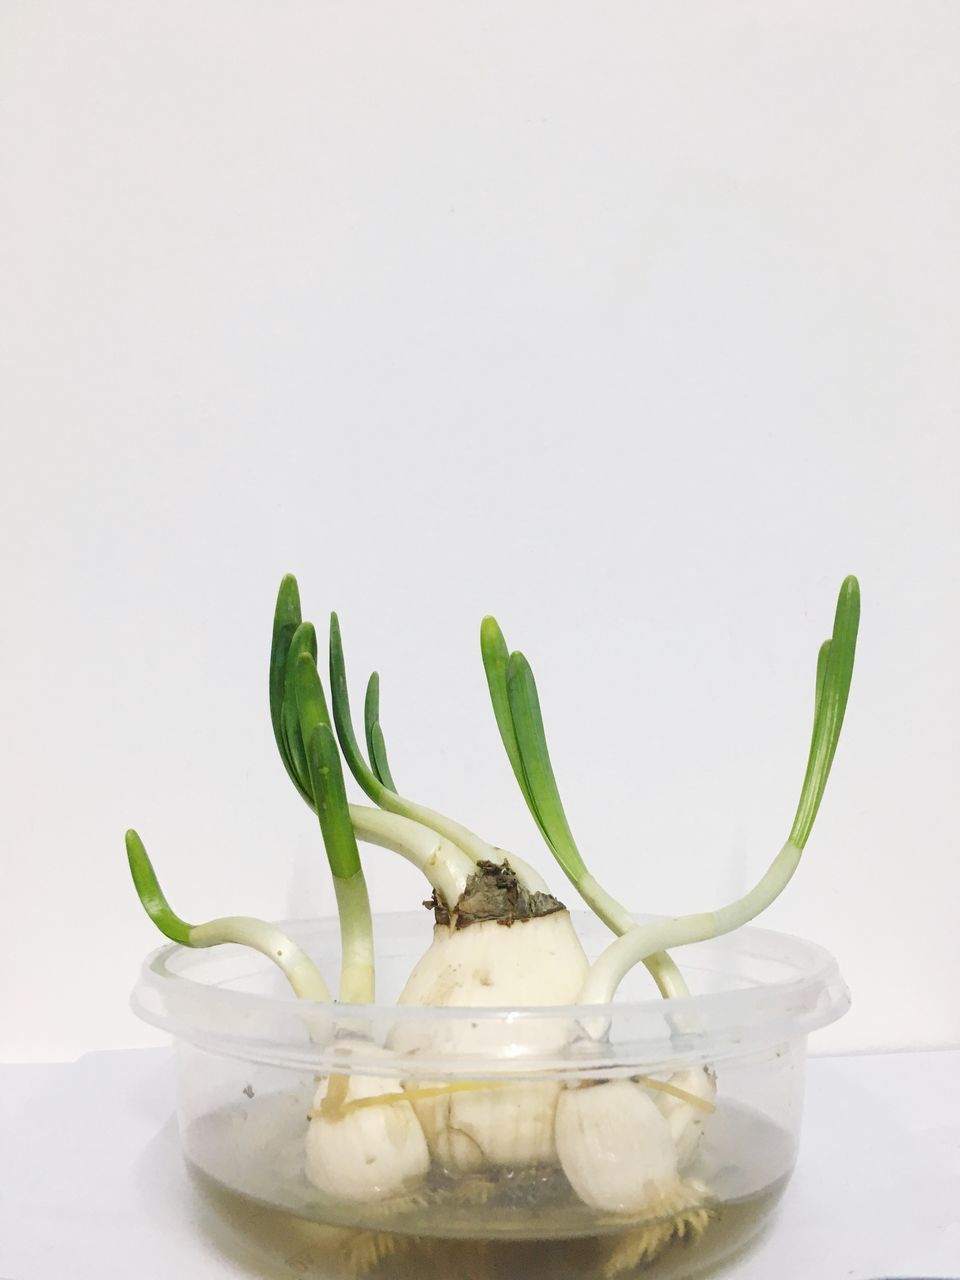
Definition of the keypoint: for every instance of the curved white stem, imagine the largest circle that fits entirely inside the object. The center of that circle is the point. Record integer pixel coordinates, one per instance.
(472, 845)
(644, 941)
(662, 967)
(445, 865)
(297, 967)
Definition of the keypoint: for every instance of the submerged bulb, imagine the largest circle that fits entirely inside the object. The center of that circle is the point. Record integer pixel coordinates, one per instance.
(510, 961)
(615, 1146)
(685, 1119)
(356, 1154)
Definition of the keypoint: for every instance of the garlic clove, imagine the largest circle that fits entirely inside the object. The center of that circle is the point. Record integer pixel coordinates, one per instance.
(513, 1126)
(615, 1146)
(509, 1126)
(451, 1148)
(379, 1150)
(686, 1121)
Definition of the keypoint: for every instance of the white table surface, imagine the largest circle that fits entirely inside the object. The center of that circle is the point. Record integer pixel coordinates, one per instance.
(92, 1186)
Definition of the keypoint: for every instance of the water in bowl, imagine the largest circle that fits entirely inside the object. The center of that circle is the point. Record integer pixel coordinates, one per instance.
(248, 1162)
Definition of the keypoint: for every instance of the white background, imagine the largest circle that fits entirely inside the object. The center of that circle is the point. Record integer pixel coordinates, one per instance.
(634, 323)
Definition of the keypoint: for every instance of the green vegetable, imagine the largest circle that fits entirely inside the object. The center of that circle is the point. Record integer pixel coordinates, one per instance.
(516, 706)
(286, 620)
(834, 672)
(294, 963)
(379, 791)
(306, 734)
(376, 747)
(151, 895)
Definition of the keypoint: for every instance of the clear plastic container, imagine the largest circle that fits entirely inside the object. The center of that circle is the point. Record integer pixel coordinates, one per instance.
(250, 1056)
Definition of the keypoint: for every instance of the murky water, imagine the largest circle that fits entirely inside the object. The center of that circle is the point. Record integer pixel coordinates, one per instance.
(525, 1224)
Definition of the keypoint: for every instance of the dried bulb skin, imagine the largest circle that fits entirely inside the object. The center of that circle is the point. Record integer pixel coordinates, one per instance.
(615, 1146)
(372, 1151)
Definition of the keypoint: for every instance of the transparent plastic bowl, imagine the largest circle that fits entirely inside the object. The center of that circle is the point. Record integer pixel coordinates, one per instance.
(249, 1057)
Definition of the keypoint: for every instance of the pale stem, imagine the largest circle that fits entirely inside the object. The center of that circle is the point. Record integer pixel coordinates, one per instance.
(476, 849)
(647, 940)
(297, 967)
(356, 940)
(445, 865)
(661, 966)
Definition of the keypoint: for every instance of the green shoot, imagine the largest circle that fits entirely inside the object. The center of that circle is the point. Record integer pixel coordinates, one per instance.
(834, 673)
(340, 842)
(376, 746)
(297, 707)
(822, 657)
(304, 641)
(246, 931)
(378, 757)
(151, 895)
(308, 698)
(516, 705)
(340, 696)
(493, 648)
(330, 798)
(286, 620)
(314, 736)
(384, 796)
(524, 705)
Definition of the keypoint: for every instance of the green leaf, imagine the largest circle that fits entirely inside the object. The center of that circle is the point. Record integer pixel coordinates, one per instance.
(537, 769)
(493, 649)
(304, 641)
(286, 619)
(836, 658)
(308, 695)
(150, 893)
(340, 698)
(822, 657)
(376, 746)
(326, 779)
(378, 758)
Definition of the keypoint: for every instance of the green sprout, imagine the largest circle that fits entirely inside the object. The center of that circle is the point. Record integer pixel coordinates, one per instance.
(834, 673)
(247, 931)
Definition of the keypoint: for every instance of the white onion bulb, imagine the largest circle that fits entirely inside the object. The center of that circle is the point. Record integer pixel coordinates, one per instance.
(487, 964)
